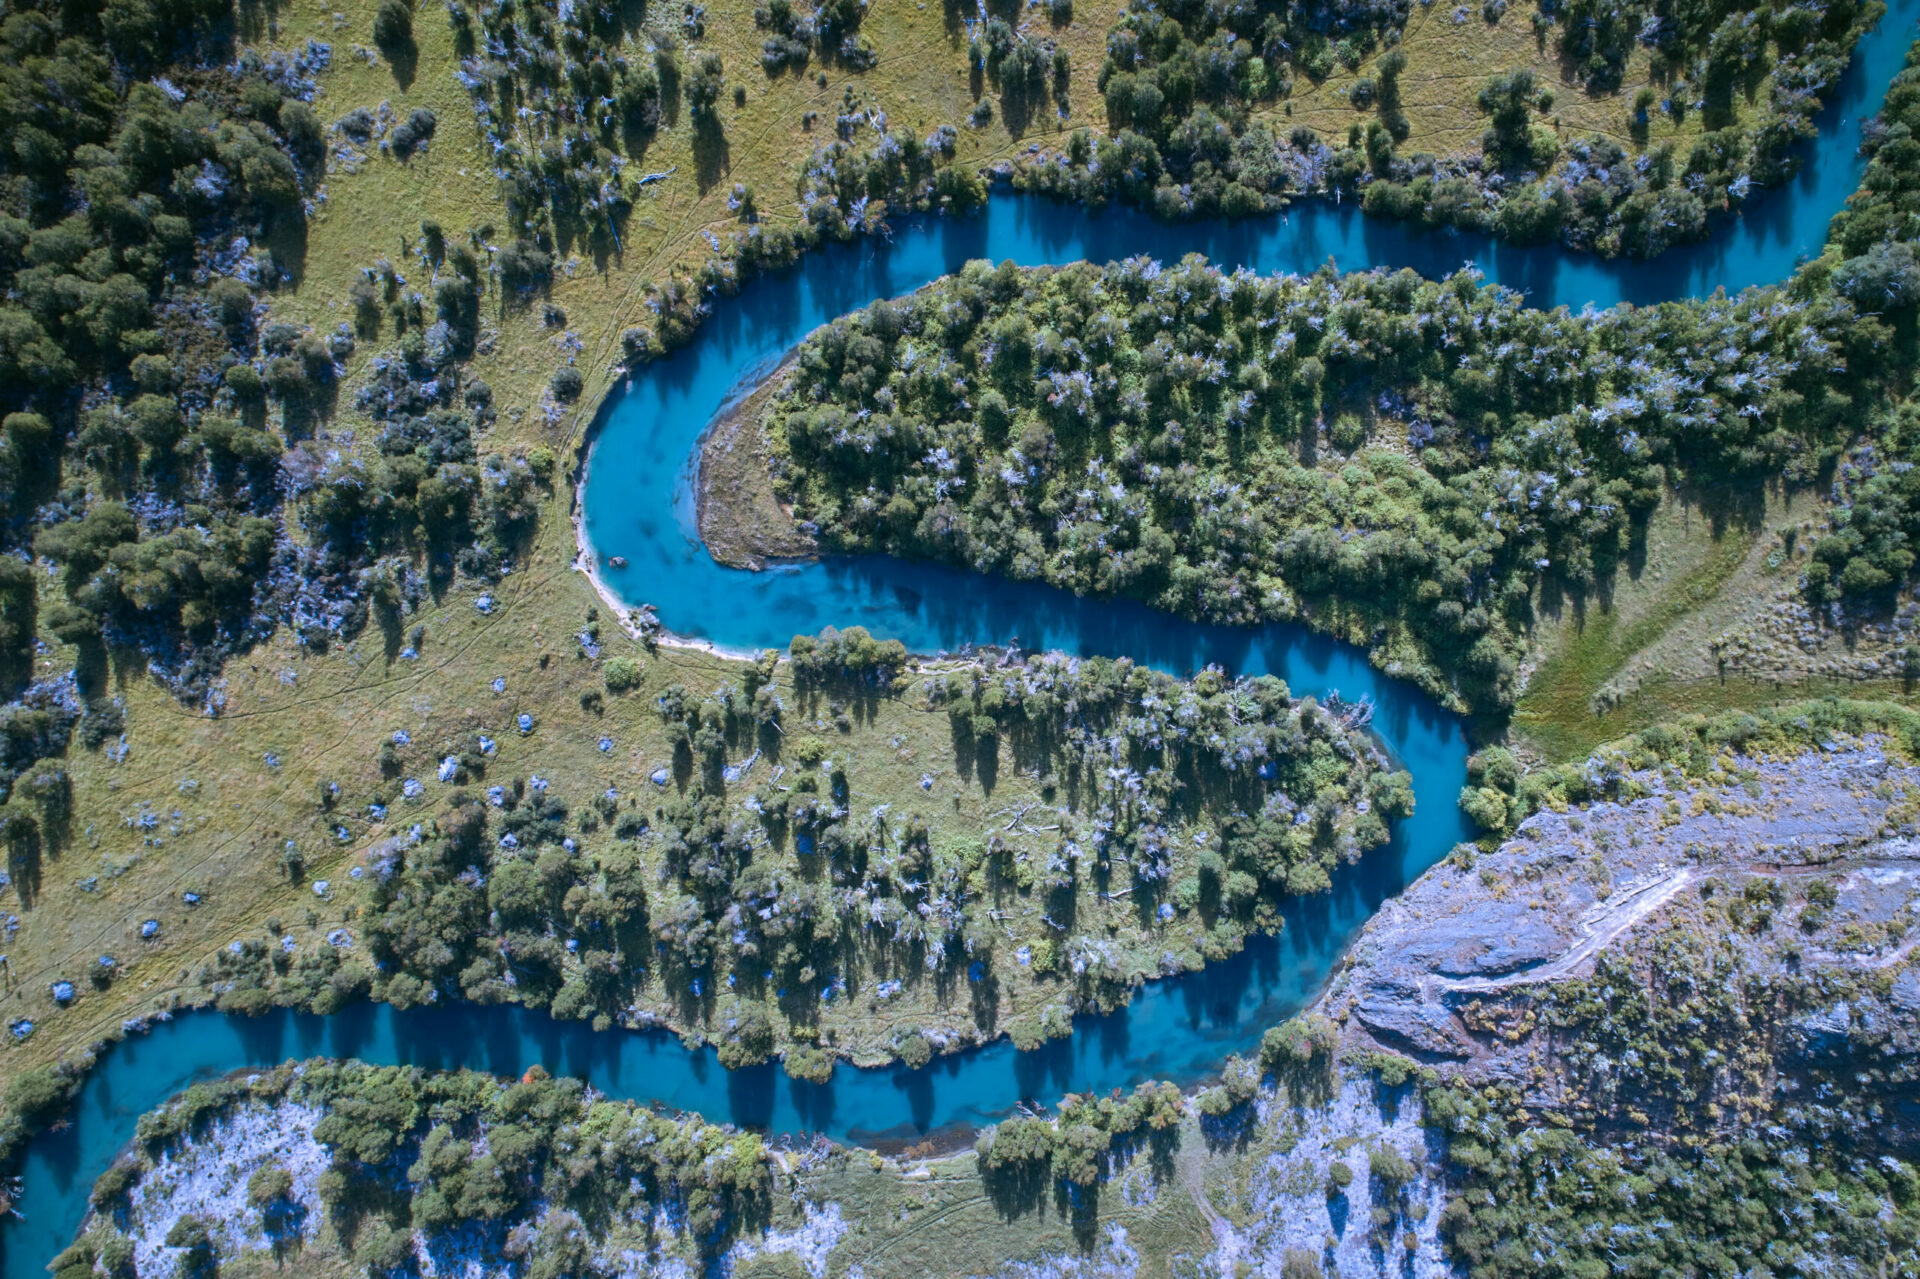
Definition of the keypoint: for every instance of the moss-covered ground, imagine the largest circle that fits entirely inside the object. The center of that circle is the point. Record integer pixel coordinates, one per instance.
(1705, 614)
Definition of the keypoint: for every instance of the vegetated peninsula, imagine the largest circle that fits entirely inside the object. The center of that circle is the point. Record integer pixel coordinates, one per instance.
(1400, 461)
(849, 853)
(773, 898)
(1674, 1020)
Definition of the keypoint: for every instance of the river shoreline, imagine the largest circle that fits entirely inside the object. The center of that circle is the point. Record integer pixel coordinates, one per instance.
(587, 562)
(740, 411)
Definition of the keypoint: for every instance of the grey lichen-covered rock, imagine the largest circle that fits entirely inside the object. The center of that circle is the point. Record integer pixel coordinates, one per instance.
(1399, 1013)
(1569, 885)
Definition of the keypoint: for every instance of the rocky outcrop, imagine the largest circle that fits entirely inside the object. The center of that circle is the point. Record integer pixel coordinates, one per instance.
(1569, 885)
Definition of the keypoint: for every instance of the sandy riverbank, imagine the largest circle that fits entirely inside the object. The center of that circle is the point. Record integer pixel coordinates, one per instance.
(748, 530)
(628, 614)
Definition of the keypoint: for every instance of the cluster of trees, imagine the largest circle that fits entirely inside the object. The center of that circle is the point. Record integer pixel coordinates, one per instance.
(850, 655)
(427, 494)
(186, 580)
(1870, 550)
(846, 189)
(1868, 554)
(1589, 193)
(1184, 84)
(570, 96)
(542, 1169)
(1022, 66)
(204, 568)
(496, 901)
(1148, 754)
(567, 98)
(1020, 1158)
(1716, 49)
(1399, 459)
(1876, 222)
(1660, 1035)
(794, 36)
(151, 426)
(141, 155)
(1298, 1053)
(38, 725)
(1554, 1201)
(1181, 83)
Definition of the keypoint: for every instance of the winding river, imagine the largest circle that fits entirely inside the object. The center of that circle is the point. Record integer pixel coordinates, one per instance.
(638, 503)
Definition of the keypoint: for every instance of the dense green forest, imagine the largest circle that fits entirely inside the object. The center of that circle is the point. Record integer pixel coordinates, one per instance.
(1401, 460)
(163, 438)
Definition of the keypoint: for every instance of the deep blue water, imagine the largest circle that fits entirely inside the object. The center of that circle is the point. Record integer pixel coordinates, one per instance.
(637, 504)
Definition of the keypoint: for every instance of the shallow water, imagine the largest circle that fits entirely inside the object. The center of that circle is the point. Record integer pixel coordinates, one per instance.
(638, 504)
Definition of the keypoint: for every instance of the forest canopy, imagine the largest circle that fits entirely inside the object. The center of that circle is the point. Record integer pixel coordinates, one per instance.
(1400, 460)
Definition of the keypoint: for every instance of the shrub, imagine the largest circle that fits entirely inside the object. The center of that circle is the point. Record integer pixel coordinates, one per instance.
(809, 1064)
(415, 133)
(750, 1041)
(36, 1096)
(393, 25)
(268, 1185)
(1486, 806)
(567, 384)
(27, 434)
(622, 674)
(1347, 433)
(916, 1050)
(1390, 1168)
(244, 381)
(703, 86)
(112, 1185)
(232, 299)
(191, 1233)
(1299, 1263)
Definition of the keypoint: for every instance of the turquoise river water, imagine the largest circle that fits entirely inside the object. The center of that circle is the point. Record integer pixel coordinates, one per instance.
(638, 504)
